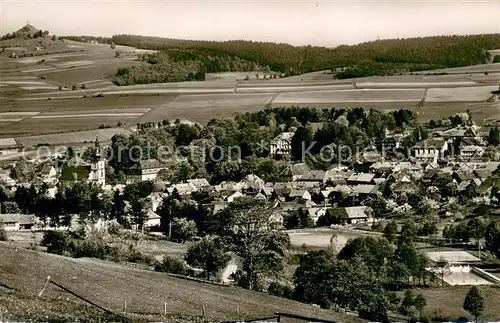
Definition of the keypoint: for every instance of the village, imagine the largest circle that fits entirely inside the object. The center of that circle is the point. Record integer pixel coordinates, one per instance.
(360, 197)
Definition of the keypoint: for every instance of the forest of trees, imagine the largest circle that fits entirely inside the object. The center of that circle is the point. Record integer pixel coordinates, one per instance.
(178, 65)
(379, 57)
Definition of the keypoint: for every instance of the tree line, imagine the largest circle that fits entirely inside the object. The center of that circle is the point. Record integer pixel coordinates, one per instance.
(379, 57)
(178, 65)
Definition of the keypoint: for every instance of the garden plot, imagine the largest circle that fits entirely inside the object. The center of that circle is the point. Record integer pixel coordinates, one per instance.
(355, 96)
(460, 94)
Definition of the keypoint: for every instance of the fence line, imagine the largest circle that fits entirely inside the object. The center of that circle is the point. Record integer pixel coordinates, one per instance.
(126, 319)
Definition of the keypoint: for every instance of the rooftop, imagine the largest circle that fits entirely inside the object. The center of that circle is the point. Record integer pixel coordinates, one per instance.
(285, 136)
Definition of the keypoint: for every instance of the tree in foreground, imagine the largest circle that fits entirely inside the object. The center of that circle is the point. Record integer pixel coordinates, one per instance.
(247, 227)
(474, 302)
(208, 254)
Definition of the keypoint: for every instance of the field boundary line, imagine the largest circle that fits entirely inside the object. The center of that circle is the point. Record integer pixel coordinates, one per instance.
(271, 101)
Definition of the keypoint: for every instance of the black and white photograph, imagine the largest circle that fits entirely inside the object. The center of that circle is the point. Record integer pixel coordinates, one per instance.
(233, 161)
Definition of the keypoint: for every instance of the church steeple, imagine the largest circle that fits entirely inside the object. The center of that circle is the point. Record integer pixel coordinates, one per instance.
(97, 153)
(98, 172)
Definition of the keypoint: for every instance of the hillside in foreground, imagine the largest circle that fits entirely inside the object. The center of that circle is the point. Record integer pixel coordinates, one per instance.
(145, 292)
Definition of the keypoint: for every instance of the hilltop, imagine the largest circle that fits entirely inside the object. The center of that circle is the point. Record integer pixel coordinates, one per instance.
(26, 32)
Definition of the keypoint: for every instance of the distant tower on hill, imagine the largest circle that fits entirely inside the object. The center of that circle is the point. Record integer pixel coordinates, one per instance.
(97, 167)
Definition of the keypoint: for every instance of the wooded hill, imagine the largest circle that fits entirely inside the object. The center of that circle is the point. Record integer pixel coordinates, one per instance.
(182, 64)
(379, 57)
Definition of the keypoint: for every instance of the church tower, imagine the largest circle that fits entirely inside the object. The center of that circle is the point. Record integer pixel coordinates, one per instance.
(97, 167)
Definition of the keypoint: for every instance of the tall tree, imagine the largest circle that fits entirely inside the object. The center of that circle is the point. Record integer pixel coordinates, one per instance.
(474, 302)
(118, 207)
(420, 303)
(443, 268)
(138, 213)
(390, 231)
(494, 136)
(183, 229)
(208, 254)
(301, 141)
(247, 228)
(477, 229)
(492, 238)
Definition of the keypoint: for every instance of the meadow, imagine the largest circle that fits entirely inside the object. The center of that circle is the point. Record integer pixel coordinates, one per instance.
(110, 284)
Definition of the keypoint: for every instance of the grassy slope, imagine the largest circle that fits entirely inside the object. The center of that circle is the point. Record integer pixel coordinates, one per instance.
(448, 301)
(110, 284)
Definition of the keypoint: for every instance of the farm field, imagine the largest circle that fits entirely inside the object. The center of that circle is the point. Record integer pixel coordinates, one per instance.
(467, 69)
(358, 96)
(221, 96)
(69, 77)
(110, 284)
(423, 84)
(293, 88)
(73, 137)
(460, 94)
(202, 108)
(65, 124)
(481, 111)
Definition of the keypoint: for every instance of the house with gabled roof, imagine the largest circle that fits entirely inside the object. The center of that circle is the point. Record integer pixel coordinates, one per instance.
(17, 222)
(282, 144)
(294, 172)
(350, 215)
(303, 194)
(430, 150)
(48, 171)
(153, 220)
(482, 173)
(461, 176)
(313, 176)
(360, 178)
(199, 183)
(471, 152)
(145, 170)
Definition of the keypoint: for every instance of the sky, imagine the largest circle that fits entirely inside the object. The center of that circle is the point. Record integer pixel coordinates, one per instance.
(300, 22)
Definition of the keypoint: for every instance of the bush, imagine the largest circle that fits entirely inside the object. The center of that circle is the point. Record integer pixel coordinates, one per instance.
(92, 249)
(137, 257)
(280, 290)
(171, 265)
(56, 242)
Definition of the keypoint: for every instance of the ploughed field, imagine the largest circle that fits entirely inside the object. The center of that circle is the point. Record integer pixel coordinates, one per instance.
(36, 95)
